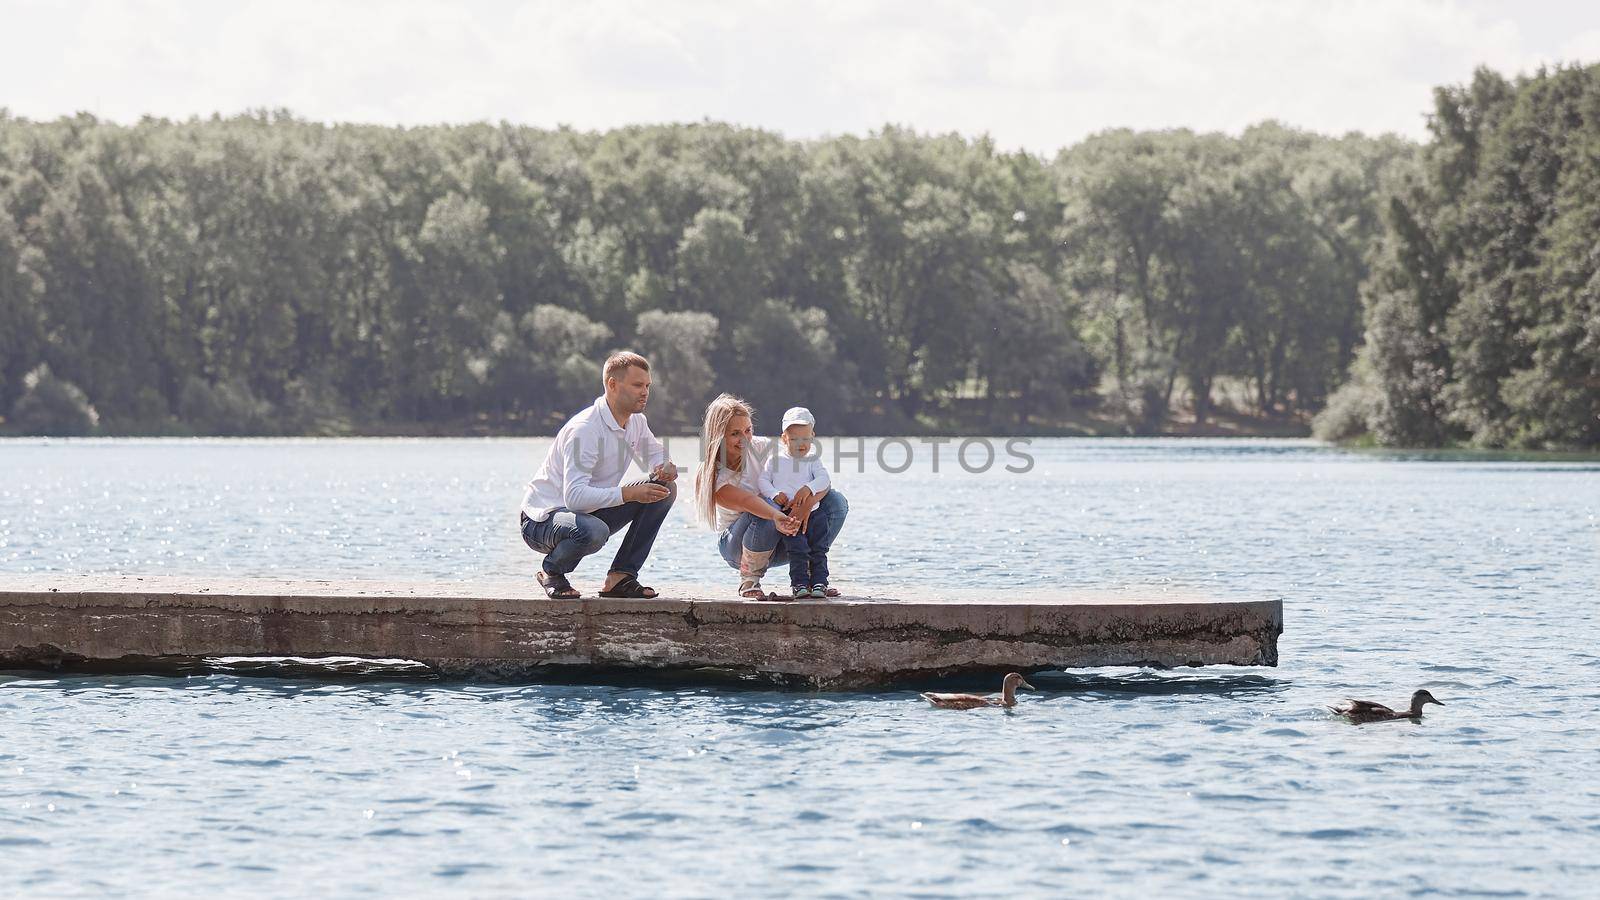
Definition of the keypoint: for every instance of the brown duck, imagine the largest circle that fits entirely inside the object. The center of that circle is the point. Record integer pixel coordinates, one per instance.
(1007, 698)
(1362, 711)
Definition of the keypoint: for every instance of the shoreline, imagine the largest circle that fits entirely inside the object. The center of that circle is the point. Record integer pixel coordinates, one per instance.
(1081, 425)
(1458, 453)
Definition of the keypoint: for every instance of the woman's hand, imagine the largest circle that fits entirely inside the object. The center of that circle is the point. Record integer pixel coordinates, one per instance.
(786, 523)
(736, 498)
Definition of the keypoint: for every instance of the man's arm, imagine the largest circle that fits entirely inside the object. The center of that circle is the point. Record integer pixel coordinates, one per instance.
(655, 454)
(578, 459)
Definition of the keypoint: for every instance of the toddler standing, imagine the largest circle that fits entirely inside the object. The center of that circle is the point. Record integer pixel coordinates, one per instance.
(793, 478)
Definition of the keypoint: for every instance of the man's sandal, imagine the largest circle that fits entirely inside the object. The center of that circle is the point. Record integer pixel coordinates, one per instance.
(629, 588)
(557, 586)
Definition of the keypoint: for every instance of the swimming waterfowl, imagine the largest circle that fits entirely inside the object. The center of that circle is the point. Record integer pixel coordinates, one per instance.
(1007, 698)
(1360, 711)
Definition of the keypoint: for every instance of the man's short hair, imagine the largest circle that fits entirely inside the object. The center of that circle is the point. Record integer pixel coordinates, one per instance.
(619, 363)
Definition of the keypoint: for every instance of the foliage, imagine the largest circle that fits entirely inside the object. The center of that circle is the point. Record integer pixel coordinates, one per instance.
(792, 359)
(228, 408)
(680, 347)
(261, 273)
(1198, 256)
(1481, 312)
(52, 406)
(1351, 409)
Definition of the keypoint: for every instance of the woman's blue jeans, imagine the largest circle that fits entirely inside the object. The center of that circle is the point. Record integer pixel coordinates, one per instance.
(751, 532)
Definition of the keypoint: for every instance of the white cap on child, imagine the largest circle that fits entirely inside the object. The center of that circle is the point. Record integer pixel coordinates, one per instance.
(798, 415)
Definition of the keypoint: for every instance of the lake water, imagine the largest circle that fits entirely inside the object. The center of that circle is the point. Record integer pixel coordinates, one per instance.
(1473, 577)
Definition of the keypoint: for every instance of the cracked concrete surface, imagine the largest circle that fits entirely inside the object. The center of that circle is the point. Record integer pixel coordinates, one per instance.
(499, 630)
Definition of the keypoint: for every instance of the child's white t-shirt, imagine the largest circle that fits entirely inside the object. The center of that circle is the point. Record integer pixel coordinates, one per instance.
(785, 474)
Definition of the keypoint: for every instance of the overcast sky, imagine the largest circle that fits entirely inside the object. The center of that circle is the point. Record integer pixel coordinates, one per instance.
(1039, 75)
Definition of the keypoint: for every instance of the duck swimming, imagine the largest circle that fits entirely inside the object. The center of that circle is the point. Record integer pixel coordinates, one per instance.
(1007, 698)
(1362, 711)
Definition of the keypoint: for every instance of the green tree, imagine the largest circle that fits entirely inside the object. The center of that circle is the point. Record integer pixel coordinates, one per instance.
(1478, 313)
(446, 305)
(100, 309)
(544, 366)
(52, 406)
(924, 223)
(20, 319)
(680, 347)
(1118, 190)
(1032, 361)
(784, 356)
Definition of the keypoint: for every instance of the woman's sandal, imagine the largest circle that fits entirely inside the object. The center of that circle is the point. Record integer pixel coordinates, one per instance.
(557, 586)
(629, 588)
(750, 589)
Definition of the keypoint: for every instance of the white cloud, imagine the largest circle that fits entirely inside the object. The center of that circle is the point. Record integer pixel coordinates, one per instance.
(1032, 73)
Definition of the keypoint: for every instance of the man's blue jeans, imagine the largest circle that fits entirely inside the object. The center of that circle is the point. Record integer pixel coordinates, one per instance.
(565, 537)
(751, 532)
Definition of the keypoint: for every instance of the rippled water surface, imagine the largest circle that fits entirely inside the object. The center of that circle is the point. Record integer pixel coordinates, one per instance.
(1475, 578)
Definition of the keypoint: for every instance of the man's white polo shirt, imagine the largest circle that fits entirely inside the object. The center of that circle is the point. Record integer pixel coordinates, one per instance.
(586, 463)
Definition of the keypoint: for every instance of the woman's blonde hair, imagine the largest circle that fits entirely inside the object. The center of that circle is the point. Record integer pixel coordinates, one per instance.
(713, 434)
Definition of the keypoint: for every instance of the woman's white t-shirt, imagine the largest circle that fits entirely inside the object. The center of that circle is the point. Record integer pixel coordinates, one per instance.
(748, 477)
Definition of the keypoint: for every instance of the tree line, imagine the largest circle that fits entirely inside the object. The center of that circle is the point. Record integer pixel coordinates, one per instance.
(264, 274)
(1483, 306)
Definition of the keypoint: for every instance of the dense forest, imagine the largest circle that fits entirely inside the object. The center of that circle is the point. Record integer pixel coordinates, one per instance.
(1483, 303)
(261, 274)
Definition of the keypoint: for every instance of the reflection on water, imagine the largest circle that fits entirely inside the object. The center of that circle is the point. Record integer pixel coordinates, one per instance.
(1473, 578)
(1156, 684)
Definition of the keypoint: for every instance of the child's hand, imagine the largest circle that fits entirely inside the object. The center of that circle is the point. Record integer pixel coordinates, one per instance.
(782, 500)
(803, 509)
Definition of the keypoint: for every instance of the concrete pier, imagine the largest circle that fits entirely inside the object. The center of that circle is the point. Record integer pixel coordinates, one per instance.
(506, 630)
